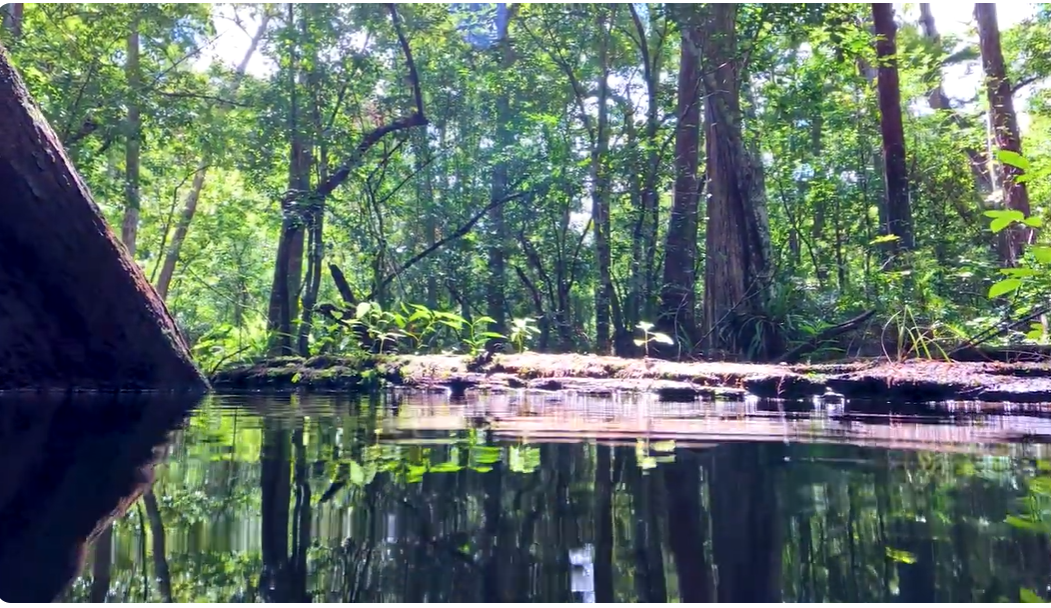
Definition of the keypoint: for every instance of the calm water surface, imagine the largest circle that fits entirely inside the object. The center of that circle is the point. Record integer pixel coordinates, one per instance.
(512, 499)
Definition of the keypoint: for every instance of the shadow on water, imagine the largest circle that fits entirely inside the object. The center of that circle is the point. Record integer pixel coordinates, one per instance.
(71, 464)
(559, 499)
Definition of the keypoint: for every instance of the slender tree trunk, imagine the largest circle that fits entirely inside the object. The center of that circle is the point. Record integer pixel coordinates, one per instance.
(497, 284)
(133, 139)
(895, 174)
(427, 208)
(102, 567)
(171, 259)
(738, 238)
(160, 559)
(600, 195)
(1005, 129)
(938, 100)
(12, 19)
(678, 298)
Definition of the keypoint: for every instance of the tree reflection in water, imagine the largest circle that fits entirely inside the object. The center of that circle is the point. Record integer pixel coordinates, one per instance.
(334, 499)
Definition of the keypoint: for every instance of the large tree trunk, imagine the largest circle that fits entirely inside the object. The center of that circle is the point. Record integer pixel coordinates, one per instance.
(77, 310)
(678, 299)
(1005, 129)
(171, 259)
(132, 143)
(738, 239)
(938, 100)
(895, 174)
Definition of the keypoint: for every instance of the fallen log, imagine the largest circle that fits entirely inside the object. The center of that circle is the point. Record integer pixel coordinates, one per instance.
(76, 312)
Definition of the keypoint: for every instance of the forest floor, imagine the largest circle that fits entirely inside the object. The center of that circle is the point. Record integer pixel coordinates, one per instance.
(862, 381)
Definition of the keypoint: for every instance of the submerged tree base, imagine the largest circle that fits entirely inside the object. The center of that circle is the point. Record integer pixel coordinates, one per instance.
(869, 381)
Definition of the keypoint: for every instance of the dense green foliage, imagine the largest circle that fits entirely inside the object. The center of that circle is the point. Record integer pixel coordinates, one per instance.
(487, 210)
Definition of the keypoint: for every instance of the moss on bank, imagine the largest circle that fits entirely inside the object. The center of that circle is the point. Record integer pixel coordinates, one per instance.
(860, 381)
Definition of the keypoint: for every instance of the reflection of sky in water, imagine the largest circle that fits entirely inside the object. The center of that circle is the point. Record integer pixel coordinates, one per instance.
(482, 24)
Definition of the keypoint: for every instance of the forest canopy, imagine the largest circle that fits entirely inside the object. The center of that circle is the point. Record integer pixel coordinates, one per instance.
(729, 181)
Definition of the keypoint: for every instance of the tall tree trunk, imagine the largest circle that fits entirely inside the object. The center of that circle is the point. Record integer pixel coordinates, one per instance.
(160, 558)
(315, 214)
(427, 208)
(102, 567)
(171, 259)
(938, 100)
(12, 19)
(496, 286)
(133, 140)
(1005, 129)
(600, 195)
(678, 298)
(738, 239)
(288, 267)
(895, 173)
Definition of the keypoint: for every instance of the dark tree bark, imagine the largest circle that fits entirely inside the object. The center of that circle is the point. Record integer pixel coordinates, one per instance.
(678, 299)
(160, 558)
(77, 310)
(737, 241)
(895, 173)
(1005, 129)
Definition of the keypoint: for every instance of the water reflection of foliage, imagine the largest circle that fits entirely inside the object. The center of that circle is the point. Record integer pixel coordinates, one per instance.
(454, 517)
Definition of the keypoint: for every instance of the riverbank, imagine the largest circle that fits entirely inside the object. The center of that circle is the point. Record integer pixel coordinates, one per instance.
(914, 381)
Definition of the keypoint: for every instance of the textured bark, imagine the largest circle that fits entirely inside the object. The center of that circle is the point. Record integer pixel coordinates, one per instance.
(1005, 129)
(738, 238)
(938, 100)
(895, 173)
(76, 310)
(171, 259)
(132, 143)
(678, 299)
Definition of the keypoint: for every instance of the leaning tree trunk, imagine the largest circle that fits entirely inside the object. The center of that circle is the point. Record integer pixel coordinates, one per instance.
(678, 299)
(736, 274)
(1005, 129)
(132, 144)
(939, 101)
(895, 173)
(171, 259)
(77, 310)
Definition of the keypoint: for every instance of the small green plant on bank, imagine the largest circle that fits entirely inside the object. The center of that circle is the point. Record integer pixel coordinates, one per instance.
(521, 331)
(651, 336)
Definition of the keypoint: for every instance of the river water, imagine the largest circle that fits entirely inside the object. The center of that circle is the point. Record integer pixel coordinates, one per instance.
(557, 499)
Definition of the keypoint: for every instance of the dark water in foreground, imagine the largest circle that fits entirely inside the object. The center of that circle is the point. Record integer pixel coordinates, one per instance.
(337, 499)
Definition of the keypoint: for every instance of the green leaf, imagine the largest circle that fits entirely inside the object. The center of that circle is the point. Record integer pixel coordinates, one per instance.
(886, 238)
(1004, 286)
(1034, 222)
(362, 309)
(662, 338)
(639, 342)
(1028, 596)
(357, 474)
(663, 446)
(1042, 253)
(1026, 524)
(899, 555)
(1010, 157)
